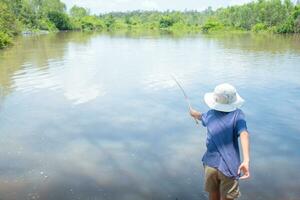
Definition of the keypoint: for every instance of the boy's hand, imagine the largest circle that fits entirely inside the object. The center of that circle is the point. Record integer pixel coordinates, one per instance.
(244, 169)
(195, 113)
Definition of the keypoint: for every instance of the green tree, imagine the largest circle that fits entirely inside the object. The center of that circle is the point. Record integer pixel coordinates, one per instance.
(28, 15)
(259, 27)
(169, 19)
(211, 25)
(79, 12)
(5, 40)
(92, 23)
(109, 21)
(292, 23)
(52, 6)
(15, 6)
(8, 25)
(61, 20)
(8, 22)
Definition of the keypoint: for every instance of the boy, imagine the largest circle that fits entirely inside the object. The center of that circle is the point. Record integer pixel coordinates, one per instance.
(225, 122)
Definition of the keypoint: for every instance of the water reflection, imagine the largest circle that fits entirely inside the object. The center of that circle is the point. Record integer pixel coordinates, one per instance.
(87, 116)
(268, 43)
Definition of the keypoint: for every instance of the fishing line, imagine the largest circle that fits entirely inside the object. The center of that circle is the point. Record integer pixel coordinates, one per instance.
(185, 96)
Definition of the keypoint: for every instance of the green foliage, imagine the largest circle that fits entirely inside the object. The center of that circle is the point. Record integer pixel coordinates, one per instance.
(168, 20)
(27, 15)
(292, 23)
(109, 21)
(46, 24)
(79, 12)
(279, 16)
(60, 20)
(297, 25)
(211, 25)
(296, 17)
(286, 27)
(259, 27)
(268, 12)
(43, 7)
(133, 21)
(5, 40)
(92, 23)
(31, 15)
(8, 22)
(119, 24)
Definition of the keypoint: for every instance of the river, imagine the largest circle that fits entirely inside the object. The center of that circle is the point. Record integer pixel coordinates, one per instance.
(97, 116)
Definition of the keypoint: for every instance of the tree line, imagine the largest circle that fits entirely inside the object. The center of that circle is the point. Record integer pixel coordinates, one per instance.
(18, 16)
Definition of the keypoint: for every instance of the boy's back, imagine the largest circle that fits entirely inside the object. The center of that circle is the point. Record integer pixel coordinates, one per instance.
(223, 130)
(225, 122)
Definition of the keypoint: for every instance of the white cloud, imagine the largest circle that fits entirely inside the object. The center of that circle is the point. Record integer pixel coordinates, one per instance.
(149, 5)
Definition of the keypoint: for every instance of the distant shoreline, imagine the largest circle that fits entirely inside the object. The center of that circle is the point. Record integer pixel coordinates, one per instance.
(41, 17)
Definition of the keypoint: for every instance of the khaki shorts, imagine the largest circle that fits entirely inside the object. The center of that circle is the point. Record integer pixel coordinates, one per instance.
(217, 181)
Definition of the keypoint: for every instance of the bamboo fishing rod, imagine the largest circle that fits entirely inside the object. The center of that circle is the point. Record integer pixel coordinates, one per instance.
(185, 96)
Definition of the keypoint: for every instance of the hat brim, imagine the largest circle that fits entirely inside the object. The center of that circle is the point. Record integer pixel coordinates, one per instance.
(211, 103)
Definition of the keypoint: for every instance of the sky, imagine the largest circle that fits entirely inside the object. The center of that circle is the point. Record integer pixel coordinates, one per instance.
(104, 6)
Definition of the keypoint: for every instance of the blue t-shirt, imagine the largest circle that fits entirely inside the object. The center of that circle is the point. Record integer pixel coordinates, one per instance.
(223, 130)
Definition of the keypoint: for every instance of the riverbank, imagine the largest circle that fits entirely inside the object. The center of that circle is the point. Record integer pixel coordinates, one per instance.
(9, 41)
(268, 16)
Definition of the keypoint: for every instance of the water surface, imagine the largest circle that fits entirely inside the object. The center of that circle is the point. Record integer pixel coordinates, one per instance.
(97, 116)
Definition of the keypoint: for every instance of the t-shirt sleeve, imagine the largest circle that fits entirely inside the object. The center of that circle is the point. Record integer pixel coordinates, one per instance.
(240, 124)
(204, 119)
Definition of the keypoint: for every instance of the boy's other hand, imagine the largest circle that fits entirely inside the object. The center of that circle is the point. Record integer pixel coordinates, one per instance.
(244, 169)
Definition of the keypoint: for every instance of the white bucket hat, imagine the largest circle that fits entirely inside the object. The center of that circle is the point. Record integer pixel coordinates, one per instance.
(224, 98)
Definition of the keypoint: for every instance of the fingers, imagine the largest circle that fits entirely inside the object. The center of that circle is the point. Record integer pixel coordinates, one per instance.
(241, 168)
(246, 176)
(245, 171)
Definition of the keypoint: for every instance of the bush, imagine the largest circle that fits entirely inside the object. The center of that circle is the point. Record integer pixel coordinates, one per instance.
(297, 25)
(259, 27)
(109, 21)
(91, 23)
(5, 40)
(60, 20)
(8, 22)
(287, 27)
(119, 24)
(75, 24)
(168, 20)
(46, 24)
(292, 24)
(79, 12)
(211, 25)
(296, 16)
(179, 26)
